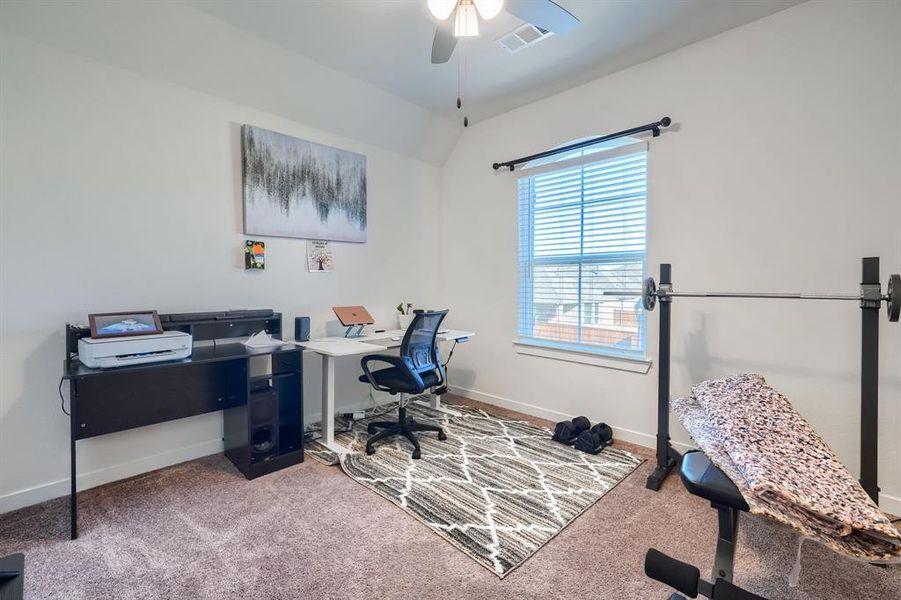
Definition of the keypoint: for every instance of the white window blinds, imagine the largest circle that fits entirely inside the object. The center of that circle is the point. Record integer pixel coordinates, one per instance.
(582, 231)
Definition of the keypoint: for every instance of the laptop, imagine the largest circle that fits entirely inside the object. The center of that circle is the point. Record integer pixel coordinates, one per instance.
(353, 315)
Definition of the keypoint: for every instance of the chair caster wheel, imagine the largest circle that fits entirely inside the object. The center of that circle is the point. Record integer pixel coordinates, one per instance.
(417, 454)
(442, 436)
(370, 451)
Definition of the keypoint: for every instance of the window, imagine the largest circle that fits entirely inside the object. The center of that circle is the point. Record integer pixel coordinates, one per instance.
(582, 233)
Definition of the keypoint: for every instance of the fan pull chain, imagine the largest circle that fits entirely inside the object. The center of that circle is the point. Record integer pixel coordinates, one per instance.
(461, 73)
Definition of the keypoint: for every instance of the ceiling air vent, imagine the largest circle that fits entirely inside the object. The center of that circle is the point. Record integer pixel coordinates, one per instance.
(523, 36)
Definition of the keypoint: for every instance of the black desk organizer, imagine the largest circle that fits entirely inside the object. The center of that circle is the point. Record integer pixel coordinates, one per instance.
(263, 414)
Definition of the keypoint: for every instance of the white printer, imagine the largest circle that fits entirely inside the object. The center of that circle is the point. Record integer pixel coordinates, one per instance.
(104, 353)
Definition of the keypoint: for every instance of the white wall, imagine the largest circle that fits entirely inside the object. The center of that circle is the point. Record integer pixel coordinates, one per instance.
(778, 176)
(781, 172)
(121, 191)
(174, 42)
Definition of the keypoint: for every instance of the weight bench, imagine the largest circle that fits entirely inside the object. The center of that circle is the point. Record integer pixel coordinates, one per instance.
(12, 577)
(703, 479)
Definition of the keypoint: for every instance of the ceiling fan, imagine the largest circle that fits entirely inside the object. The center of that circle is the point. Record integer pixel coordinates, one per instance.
(544, 14)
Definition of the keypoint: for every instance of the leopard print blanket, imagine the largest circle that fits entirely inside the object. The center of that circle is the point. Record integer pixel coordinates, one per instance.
(783, 469)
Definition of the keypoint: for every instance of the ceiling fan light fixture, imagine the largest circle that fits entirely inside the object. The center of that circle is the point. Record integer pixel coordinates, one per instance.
(488, 9)
(442, 9)
(467, 20)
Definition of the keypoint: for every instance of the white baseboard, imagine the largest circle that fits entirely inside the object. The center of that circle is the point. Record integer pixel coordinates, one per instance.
(347, 407)
(648, 440)
(889, 504)
(86, 480)
(55, 489)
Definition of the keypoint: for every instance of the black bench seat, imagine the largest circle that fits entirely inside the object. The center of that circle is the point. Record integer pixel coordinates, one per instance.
(702, 478)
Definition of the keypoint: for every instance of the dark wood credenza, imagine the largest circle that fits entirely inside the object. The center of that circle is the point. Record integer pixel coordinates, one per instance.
(263, 414)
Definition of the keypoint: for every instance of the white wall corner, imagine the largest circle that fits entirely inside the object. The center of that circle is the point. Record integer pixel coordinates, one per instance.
(647, 440)
(889, 504)
(54, 489)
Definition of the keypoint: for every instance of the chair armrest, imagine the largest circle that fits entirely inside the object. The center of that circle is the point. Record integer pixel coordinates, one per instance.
(402, 363)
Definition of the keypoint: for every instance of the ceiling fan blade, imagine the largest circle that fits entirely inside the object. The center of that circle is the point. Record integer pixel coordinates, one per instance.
(444, 43)
(543, 14)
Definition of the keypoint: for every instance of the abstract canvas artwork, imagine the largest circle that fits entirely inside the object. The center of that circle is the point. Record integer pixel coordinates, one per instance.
(300, 189)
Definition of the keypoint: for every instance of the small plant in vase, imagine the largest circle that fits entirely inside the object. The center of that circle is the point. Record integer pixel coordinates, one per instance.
(404, 315)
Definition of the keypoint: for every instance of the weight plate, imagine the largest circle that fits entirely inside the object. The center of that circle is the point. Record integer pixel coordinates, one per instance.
(894, 297)
(649, 294)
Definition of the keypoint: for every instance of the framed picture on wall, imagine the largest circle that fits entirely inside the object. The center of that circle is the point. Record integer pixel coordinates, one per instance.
(300, 189)
(125, 323)
(254, 255)
(319, 257)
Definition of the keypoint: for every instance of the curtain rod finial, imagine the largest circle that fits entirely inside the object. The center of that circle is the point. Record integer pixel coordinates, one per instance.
(665, 121)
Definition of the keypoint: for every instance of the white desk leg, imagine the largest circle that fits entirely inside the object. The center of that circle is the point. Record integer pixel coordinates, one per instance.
(328, 406)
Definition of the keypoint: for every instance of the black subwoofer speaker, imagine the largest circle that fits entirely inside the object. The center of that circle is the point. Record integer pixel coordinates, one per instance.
(263, 425)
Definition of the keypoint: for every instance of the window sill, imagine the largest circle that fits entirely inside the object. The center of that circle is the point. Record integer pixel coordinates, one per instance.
(633, 365)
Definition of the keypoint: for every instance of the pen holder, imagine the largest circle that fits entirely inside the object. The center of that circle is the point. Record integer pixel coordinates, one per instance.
(403, 321)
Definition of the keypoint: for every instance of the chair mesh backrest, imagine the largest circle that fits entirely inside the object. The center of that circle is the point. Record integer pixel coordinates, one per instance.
(419, 342)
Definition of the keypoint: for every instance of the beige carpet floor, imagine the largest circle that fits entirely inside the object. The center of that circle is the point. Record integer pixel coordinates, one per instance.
(200, 530)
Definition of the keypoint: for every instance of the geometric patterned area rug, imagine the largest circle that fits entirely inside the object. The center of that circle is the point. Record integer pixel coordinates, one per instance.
(497, 489)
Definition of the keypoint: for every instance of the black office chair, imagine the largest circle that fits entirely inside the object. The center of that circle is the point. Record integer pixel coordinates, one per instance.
(416, 369)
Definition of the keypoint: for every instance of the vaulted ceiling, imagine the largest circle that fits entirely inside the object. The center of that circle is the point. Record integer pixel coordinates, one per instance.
(388, 43)
(361, 68)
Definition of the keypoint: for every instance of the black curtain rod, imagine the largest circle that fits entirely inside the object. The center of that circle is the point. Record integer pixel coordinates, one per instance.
(653, 127)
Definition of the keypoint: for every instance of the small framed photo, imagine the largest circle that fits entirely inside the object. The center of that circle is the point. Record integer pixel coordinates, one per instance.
(319, 256)
(254, 255)
(118, 324)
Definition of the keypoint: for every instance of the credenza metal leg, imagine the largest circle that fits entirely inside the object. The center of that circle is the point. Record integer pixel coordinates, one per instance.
(73, 490)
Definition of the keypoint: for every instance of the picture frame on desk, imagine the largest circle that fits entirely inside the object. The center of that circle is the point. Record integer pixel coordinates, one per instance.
(125, 323)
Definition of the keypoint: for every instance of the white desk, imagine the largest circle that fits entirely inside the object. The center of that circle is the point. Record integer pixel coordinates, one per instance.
(331, 348)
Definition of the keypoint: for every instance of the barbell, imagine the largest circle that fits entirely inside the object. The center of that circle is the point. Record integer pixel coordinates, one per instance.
(870, 295)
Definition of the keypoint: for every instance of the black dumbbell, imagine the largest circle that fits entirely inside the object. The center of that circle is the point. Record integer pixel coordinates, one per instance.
(595, 439)
(566, 432)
